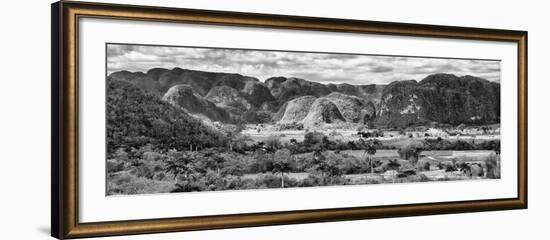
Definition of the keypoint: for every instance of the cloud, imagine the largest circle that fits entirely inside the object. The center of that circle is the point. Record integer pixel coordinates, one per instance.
(381, 69)
(320, 67)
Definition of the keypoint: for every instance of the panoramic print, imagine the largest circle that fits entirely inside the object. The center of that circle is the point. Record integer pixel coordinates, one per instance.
(192, 119)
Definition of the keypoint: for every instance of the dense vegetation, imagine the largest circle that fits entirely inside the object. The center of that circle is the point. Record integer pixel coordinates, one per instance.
(443, 98)
(151, 168)
(148, 170)
(136, 118)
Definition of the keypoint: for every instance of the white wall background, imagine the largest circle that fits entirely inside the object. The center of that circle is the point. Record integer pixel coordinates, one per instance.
(25, 119)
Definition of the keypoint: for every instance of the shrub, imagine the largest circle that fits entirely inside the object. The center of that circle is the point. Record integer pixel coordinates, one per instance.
(122, 178)
(372, 181)
(233, 182)
(188, 186)
(263, 163)
(159, 176)
(248, 184)
(121, 154)
(233, 164)
(464, 167)
(291, 126)
(239, 145)
(491, 163)
(369, 134)
(411, 152)
(352, 165)
(317, 179)
(144, 171)
(426, 166)
(337, 180)
(268, 181)
(493, 145)
(273, 143)
(291, 182)
(391, 165)
(365, 180)
(327, 165)
(314, 138)
(130, 184)
(441, 144)
(402, 132)
(312, 180)
(450, 168)
(235, 170)
(462, 145)
(407, 173)
(409, 178)
(151, 156)
(114, 165)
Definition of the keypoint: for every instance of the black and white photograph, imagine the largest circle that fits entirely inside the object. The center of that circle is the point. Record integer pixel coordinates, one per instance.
(193, 119)
(274, 120)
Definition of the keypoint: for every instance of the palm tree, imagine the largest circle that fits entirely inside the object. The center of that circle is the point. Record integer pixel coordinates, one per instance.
(235, 134)
(370, 150)
(282, 167)
(178, 166)
(496, 148)
(282, 164)
(393, 165)
(328, 166)
(218, 162)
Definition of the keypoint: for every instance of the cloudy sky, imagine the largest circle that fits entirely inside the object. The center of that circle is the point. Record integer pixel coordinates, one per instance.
(320, 67)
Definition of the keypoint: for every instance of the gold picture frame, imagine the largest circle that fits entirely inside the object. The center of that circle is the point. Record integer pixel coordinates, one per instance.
(65, 127)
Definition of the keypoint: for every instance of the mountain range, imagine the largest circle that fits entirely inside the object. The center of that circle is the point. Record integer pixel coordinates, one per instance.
(235, 98)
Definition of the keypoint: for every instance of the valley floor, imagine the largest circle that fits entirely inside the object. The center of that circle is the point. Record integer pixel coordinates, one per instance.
(253, 170)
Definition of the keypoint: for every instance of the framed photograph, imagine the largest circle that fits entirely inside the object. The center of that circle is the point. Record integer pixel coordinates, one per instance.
(168, 119)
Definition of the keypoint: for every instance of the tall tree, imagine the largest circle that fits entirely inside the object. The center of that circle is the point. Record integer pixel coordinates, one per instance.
(327, 166)
(282, 164)
(370, 150)
(218, 162)
(235, 134)
(179, 164)
(393, 165)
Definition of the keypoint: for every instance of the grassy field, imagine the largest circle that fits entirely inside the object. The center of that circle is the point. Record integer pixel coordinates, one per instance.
(286, 135)
(391, 138)
(443, 155)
